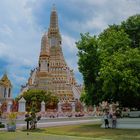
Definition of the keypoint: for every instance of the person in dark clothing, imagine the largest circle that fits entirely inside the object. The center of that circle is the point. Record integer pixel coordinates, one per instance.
(106, 120)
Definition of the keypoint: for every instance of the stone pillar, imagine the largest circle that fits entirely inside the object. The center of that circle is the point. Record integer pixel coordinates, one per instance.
(42, 106)
(9, 104)
(73, 107)
(59, 107)
(85, 107)
(95, 109)
(21, 105)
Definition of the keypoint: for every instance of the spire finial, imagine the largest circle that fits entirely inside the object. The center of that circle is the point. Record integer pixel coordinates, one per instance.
(5, 72)
(54, 18)
(54, 7)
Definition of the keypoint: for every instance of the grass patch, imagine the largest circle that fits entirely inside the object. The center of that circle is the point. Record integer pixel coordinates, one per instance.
(73, 132)
(18, 135)
(94, 131)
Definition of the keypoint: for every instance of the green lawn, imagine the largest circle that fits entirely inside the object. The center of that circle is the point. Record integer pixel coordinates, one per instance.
(94, 131)
(36, 136)
(73, 132)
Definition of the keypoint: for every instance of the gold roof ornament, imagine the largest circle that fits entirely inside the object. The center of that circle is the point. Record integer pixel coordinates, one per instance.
(5, 80)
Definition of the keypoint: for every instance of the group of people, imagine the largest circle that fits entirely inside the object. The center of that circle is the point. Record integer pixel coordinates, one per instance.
(110, 120)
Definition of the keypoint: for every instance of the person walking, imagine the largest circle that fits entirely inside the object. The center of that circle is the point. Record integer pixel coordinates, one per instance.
(114, 120)
(106, 120)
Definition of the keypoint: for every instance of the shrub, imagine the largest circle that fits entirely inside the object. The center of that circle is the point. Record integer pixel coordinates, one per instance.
(2, 125)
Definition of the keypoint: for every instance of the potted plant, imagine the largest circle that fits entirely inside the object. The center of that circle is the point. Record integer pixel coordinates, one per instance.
(11, 125)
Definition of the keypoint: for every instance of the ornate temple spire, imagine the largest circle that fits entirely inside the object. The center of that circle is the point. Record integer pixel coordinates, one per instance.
(45, 49)
(53, 31)
(54, 18)
(53, 74)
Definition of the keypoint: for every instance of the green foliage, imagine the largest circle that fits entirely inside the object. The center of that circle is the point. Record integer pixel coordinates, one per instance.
(28, 119)
(85, 98)
(132, 28)
(110, 64)
(89, 64)
(35, 97)
(111, 41)
(2, 125)
(121, 79)
(31, 118)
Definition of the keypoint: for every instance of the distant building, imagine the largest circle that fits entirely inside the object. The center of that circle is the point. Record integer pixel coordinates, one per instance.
(53, 73)
(5, 89)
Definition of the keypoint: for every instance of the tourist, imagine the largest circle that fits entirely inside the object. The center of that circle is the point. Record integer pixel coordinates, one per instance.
(106, 120)
(110, 119)
(114, 120)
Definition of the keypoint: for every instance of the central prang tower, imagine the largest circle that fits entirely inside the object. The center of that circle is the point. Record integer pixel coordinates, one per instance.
(53, 74)
(53, 31)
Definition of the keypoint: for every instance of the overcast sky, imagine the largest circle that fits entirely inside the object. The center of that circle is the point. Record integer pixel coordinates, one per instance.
(22, 23)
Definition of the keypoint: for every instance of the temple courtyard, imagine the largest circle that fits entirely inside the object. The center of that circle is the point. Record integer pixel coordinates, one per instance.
(87, 131)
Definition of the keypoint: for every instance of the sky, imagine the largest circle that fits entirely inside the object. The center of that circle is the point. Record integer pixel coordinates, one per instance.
(23, 22)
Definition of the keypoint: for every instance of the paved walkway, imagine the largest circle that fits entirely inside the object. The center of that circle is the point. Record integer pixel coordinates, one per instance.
(56, 123)
(60, 123)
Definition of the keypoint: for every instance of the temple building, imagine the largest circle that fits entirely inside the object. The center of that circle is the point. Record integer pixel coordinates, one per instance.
(53, 74)
(5, 89)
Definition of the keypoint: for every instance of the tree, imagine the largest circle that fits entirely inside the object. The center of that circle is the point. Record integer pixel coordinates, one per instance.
(111, 40)
(110, 64)
(32, 119)
(121, 78)
(89, 65)
(132, 27)
(35, 97)
(52, 101)
(120, 66)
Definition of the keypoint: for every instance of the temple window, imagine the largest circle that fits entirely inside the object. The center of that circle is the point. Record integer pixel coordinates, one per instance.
(9, 92)
(4, 92)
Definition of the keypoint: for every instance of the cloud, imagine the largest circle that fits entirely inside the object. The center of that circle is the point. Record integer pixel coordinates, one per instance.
(95, 15)
(19, 40)
(70, 54)
(70, 51)
(69, 43)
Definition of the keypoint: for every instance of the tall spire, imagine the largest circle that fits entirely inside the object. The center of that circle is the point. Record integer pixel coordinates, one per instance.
(44, 54)
(44, 45)
(53, 31)
(54, 18)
